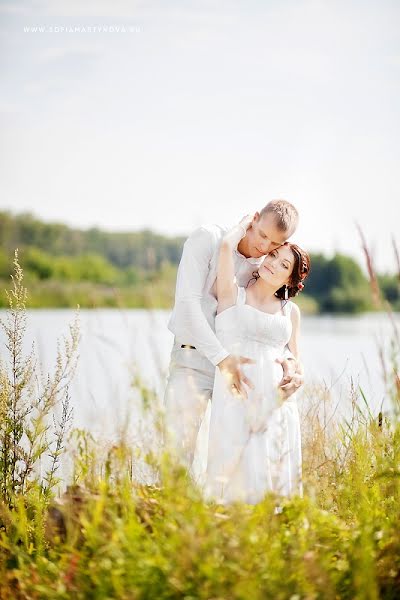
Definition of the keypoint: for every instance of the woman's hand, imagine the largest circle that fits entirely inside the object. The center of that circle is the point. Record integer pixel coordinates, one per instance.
(230, 367)
(289, 368)
(234, 235)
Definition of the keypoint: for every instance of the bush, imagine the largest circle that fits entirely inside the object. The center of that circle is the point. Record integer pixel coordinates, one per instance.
(38, 263)
(347, 300)
(390, 286)
(338, 284)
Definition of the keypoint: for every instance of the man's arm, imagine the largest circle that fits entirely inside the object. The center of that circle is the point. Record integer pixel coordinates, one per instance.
(189, 317)
(189, 322)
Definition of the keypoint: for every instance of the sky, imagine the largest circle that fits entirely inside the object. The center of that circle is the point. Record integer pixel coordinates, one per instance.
(202, 111)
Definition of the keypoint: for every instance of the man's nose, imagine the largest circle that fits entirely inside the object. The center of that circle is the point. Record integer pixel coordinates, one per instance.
(266, 246)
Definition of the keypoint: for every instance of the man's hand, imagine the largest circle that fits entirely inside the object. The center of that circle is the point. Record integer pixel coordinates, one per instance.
(245, 223)
(231, 368)
(290, 388)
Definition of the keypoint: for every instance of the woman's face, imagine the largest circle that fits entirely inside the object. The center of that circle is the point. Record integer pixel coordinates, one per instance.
(277, 267)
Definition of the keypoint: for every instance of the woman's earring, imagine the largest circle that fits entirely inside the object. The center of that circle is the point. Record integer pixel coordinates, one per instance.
(286, 292)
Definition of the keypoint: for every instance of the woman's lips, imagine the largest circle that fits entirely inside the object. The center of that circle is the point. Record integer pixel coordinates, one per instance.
(268, 269)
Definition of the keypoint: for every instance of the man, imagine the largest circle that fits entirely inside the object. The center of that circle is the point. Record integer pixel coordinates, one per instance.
(197, 351)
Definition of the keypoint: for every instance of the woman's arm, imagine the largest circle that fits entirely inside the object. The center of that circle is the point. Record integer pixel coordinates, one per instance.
(293, 343)
(298, 378)
(226, 287)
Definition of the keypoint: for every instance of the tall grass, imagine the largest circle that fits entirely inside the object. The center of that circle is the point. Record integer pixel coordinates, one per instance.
(109, 536)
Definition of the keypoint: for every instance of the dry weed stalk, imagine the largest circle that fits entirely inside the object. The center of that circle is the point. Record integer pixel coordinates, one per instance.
(391, 374)
(29, 430)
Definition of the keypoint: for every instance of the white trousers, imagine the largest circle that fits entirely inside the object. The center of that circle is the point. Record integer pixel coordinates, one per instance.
(188, 392)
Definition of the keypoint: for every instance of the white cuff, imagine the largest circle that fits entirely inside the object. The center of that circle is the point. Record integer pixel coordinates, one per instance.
(219, 357)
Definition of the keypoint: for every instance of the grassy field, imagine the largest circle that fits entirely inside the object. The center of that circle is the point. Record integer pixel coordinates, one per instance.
(112, 538)
(109, 537)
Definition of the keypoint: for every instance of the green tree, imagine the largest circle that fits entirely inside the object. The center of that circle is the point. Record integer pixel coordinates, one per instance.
(390, 286)
(91, 267)
(38, 262)
(338, 284)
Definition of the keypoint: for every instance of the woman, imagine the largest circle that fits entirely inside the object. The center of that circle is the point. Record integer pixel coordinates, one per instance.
(254, 443)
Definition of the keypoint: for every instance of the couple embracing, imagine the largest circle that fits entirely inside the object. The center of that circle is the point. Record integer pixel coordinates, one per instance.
(236, 344)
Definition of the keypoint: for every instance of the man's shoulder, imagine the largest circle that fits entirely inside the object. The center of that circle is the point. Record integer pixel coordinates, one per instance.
(212, 233)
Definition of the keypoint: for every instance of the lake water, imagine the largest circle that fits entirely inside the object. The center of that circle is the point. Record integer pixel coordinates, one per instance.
(118, 345)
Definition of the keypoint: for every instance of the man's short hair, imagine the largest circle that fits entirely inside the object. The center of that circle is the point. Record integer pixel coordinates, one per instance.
(285, 213)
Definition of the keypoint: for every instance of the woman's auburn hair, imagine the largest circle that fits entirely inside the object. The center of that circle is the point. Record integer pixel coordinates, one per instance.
(301, 270)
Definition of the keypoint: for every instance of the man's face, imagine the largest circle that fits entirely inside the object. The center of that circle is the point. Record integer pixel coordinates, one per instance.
(264, 236)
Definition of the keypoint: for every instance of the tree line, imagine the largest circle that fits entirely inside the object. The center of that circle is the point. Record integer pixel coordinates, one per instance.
(64, 265)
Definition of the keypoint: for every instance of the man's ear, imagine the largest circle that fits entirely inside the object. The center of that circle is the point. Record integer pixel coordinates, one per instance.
(256, 217)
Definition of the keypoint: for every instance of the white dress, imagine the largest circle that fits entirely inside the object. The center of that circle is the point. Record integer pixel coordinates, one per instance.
(254, 444)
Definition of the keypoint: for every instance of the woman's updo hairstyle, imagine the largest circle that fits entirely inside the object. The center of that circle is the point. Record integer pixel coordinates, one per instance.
(301, 270)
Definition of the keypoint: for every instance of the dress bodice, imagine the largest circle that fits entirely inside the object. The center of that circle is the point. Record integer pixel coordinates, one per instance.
(243, 322)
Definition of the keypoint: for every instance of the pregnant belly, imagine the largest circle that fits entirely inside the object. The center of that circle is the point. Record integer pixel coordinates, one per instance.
(266, 372)
(264, 399)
